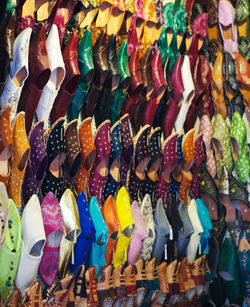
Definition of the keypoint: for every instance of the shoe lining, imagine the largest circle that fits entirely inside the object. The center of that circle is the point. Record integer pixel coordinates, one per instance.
(37, 248)
(54, 238)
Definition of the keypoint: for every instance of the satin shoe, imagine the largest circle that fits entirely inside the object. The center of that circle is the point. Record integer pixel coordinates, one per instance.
(71, 229)
(98, 249)
(127, 226)
(87, 235)
(32, 245)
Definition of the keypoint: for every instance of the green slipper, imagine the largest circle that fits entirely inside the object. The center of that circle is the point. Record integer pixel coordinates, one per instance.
(11, 251)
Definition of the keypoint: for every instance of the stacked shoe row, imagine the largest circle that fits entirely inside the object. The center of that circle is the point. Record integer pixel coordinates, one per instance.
(124, 148)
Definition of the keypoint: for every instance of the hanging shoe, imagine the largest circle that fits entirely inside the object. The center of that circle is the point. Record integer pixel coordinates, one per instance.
(148, 243)
(57, 76)
(15, 299)
(56, 151)
(71, 229)
(127, 149)
(19, 71)
(88, 155)
(7, 42)
(52, 220)
(228, 29)
(140, 162)
(91, 287)
(113, 179)
(105, 287)
(87, 235)
(98, 250)
(37, 164)
(99, 171)
(243, 254)
(130, 283)
(163, 232)
(127, 224)
(33, 296)
(32, 245)
(86, 68)
(10, 251)
(111, 219)
(74, 155)
(70, 82)
(139, 235)
(80, 288)
(19, 159)
(6, 144)
(4, 211)
(39, 74)
(140, 277)
(119, 287)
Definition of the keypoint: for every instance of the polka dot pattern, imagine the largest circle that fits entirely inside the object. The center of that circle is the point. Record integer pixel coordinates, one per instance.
(206, 129)
(6, 137)
(4, 212)
(185, 184)
(188, 147)
(207, 185)
(170, 151)
(162, 189)
(141, 146)
(155, 144)
(199, 151)
(20, 147)
(115, 142)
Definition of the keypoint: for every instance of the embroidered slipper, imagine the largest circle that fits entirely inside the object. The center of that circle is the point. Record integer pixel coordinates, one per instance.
(127, 149)
(33, 295)
(99, 171)
(19, 159)
(11, 251)
(52, 220)
(37, 164)
(74, 156)
(6, 144)
(140, 233)
(127, 224)
(15, 299)
(113, 179)
(148, 243)
(169, 163)
(88, 155)
(87, 235)
(140, 162)
(32, 245)
(152, 176)
(56, 150)
(111, 219)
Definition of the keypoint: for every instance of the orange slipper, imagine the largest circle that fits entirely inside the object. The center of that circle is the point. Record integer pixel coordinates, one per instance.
(88, 155)
(185, 185)
(188, 149)
(19, 159)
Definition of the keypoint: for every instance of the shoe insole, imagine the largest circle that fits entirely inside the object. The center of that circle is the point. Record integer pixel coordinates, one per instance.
(89, 160)
(72, 235)
(55, 165)
(115, 169)
(242, 28)
(179, 38)
(104, 13)
(213, 32)
(102, 167)
(188, 41)
(87, 21)
(20, 76)
(24, 160)
(45, 10)
(169, 36)
(152, 172)
(54, 238)
(139, 27)
(4, 157)
(30, 7)
(141, 168)
(235, 148)
(56, 78)
(148, 32)
(37, 248)
(42, 169)
(217, 148)
(168, 170)
(227, 32)
(200, 42)
(115, 21)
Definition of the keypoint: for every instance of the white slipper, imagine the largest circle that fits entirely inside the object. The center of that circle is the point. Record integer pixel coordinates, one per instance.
(188, 94)
(57, 68)
(33, 241)
(194, 242)
(12, 90)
